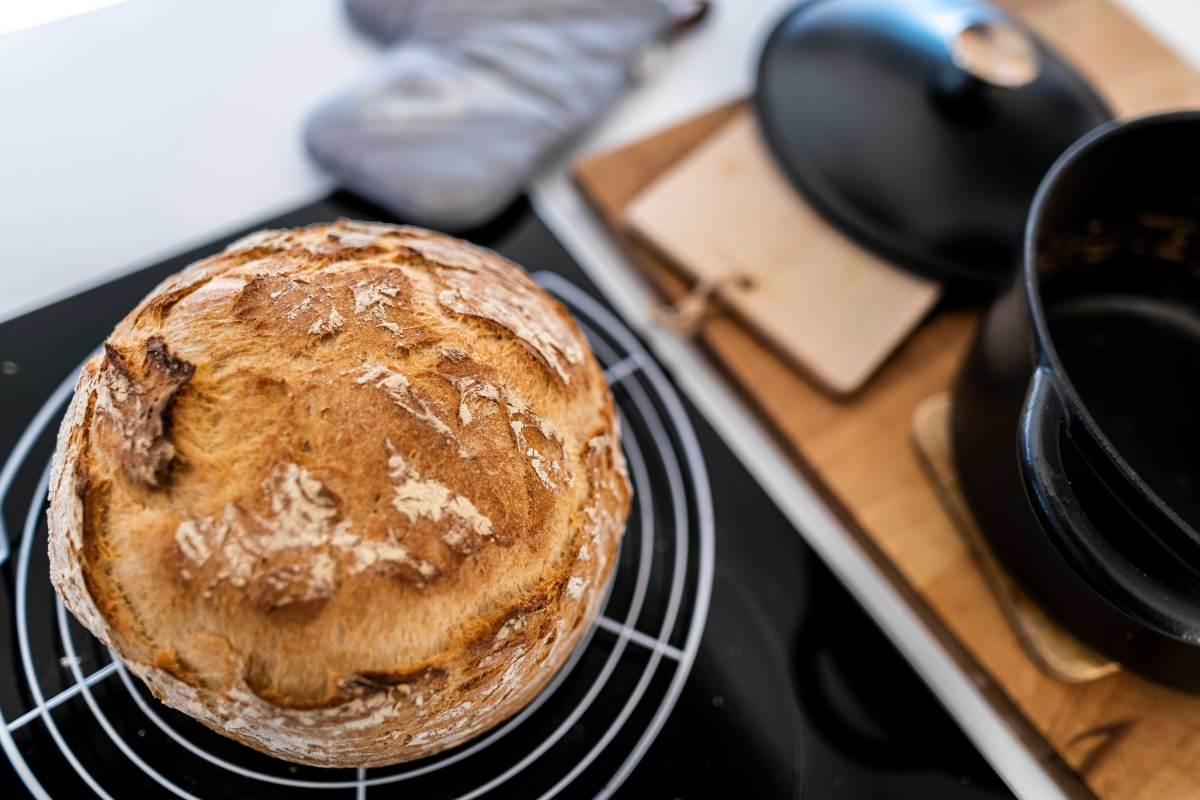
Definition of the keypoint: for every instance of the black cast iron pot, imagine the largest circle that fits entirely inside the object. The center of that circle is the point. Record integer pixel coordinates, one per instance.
(1076, 417)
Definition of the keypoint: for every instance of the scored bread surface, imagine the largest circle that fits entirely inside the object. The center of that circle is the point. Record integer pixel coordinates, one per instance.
(349, 494)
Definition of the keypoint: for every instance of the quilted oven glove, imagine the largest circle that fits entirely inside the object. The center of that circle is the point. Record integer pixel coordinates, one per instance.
(472, 96)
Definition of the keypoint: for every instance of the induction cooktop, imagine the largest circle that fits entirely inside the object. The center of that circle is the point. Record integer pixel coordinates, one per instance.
(727, 660)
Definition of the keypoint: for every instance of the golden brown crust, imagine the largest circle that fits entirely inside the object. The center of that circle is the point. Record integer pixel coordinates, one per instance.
(349, 494)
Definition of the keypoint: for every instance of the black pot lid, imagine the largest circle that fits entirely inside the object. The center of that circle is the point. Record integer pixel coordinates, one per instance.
(921, 128)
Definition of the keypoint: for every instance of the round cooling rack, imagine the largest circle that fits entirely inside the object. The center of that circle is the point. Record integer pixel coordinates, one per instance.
(73, 719)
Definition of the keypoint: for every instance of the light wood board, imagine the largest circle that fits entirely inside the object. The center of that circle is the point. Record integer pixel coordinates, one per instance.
(1119, 737)
(1057, 652)
(727, 217)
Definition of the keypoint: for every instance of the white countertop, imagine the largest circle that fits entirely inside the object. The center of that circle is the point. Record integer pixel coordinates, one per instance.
(133, 132)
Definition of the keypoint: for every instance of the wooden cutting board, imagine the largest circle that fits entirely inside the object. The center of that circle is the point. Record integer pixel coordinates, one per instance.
(826, 304)
(1118, 737)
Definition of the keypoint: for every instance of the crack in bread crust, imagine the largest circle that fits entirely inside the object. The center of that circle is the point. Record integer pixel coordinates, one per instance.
(362, 492)
(135, 400)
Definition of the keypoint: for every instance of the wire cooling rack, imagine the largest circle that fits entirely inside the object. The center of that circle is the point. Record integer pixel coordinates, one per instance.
(84, 723)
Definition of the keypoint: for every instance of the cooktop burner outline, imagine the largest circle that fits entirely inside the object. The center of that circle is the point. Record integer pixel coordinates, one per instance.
(638, 383)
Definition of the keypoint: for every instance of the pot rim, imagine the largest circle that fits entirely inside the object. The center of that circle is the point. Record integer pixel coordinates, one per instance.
(1046, 351)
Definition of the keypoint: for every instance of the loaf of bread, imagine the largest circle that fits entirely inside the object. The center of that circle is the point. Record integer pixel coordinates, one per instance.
(349, 494)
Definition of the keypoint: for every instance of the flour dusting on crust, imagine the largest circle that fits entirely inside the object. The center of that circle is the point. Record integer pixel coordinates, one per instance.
(417, 497)
(327, 325)
(401, 392)
(374, 298)
(543, 452)
(510, 303)
(296, 554)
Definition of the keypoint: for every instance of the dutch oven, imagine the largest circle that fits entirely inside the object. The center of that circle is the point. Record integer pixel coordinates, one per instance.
(1075, 427)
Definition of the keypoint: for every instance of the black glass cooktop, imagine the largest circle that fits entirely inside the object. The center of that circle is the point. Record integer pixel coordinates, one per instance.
(726, 661)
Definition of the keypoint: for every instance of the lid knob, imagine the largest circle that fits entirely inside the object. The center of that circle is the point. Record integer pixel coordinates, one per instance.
(997, 53)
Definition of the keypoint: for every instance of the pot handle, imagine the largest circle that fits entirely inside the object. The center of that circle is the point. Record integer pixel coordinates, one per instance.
(1043, 425)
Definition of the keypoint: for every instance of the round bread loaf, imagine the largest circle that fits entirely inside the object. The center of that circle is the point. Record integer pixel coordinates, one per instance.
(348, 494)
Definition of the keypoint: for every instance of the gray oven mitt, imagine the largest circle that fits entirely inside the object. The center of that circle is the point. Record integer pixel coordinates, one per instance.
(386, 21)
(473, 95)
